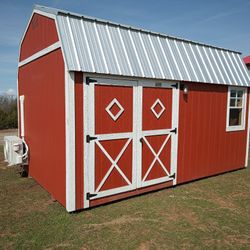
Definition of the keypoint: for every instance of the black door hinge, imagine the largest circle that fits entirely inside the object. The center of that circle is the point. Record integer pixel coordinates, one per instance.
(141, 140)
(89, 80)
(174, 130)
(90, 138)
(172, 176)
(89, 195)
(175, 85)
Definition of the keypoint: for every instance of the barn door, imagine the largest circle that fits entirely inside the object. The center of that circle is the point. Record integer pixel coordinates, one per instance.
(111, 139)
(131, 139)
(158, 134)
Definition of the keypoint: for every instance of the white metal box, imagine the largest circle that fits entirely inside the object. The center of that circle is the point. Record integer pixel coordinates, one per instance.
(13, 150)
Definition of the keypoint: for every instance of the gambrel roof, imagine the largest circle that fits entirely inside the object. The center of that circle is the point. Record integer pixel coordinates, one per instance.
(98, 46)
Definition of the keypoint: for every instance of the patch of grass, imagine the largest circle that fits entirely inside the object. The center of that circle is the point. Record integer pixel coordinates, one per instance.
(213, 213)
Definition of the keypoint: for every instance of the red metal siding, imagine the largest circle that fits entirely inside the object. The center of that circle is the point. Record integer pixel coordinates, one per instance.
(204, 147)
(42, 83)
(40, 34)
(79, 138)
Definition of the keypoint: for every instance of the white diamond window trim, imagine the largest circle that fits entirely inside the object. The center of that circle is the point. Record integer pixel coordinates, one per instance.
(157, 102)
(111, 104)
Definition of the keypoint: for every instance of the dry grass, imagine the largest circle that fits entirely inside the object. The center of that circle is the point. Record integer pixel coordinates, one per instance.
(213, 213)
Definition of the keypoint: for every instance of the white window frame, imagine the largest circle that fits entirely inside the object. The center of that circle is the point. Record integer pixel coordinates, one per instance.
(243, 117)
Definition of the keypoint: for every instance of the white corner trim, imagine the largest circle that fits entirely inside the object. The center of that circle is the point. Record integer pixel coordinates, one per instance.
(248, 133)
(40, 53)
(70, 140)
(21, 98)
(243, 117)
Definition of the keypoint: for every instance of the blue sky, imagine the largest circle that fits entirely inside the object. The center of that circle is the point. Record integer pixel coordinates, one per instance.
(224, 23)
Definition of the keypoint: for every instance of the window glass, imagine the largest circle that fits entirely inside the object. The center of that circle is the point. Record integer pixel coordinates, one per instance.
(236, 108)
(235, 117)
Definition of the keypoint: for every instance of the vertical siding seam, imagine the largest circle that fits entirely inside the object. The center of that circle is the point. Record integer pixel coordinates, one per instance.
(217, 79)
(239, 69)
(88, 48)
(136, 54)
(217, 65)
(100, 45)
(125, 51)
(229, 68)
(210, 78)
(184, 47)
(73, 43)
(156, 57)
(182, 61)
(113, 49)
(165, 57)
(204, 79)
(228, 78)
(234, 68)
(171, 52)
(146, 54)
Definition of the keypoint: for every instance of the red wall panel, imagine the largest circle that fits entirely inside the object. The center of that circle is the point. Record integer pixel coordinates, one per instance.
(44, 108)
(204, 146)
(40, 34)
(79, 138)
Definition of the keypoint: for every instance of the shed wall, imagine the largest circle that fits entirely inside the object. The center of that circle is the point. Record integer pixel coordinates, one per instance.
(205, 148)
(42, 83)
(40, 34)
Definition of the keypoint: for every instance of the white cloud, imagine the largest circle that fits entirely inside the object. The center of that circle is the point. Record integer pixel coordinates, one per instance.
(9, 92)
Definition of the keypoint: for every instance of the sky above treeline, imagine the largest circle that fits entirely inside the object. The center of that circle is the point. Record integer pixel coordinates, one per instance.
(224, 23)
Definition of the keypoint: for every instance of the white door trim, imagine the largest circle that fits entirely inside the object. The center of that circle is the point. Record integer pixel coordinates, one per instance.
(135, 135)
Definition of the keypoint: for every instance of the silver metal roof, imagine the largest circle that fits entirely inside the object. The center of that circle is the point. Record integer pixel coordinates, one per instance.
(98, 46)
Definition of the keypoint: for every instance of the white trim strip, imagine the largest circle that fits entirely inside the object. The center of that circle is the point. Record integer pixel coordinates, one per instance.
(21, 98)
(40, 53)
(248, 132)
(70, 140)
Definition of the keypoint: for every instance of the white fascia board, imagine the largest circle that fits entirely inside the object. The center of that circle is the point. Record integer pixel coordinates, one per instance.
(40, 53)
(70, 141)
(248, 132)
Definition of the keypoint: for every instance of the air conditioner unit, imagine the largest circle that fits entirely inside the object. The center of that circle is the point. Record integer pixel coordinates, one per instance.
(13, 150)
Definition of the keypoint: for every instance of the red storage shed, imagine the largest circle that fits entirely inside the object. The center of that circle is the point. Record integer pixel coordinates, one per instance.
(110, 111)
(247, 61)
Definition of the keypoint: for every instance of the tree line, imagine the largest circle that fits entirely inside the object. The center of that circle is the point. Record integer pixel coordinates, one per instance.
(8, 112)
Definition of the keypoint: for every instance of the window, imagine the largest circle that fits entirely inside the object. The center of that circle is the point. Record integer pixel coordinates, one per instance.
(236, 109)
